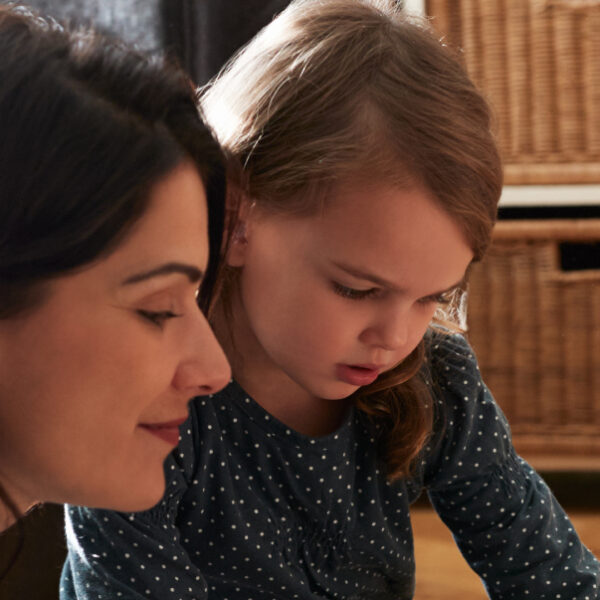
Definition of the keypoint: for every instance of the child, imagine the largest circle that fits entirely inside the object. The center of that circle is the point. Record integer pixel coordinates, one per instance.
(373, 180)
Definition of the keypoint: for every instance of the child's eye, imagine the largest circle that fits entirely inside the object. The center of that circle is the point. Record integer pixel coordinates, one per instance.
(157, 317)
(351, 293)
(444, 298)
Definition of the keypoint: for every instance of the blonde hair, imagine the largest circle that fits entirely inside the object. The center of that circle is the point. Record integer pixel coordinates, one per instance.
(334, 89)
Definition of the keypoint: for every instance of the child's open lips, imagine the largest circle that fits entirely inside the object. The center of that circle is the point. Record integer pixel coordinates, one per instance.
(357, 374)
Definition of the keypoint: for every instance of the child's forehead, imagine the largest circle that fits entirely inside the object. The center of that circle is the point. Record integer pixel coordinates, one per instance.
(371, 196)
(373, 213)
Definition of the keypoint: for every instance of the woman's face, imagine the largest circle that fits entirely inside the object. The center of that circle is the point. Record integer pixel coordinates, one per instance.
(95, 382)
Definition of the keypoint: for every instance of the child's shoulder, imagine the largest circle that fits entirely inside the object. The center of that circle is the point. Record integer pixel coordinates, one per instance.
(448, 355)
(471, 435)
(461, 396)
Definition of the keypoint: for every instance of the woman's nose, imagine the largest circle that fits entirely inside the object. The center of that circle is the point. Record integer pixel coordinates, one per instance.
(205, 369)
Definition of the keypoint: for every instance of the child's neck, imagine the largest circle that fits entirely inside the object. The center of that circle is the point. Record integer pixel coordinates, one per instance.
(270, 387)
(289, 403)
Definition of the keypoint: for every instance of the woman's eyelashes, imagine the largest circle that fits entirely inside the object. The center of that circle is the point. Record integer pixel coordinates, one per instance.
(157, 317)
(179, 304)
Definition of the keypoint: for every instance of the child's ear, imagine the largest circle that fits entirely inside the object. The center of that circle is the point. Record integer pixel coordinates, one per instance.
(236, 255)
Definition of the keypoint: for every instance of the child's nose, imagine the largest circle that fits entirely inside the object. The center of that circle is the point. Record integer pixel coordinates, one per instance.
(390, 332)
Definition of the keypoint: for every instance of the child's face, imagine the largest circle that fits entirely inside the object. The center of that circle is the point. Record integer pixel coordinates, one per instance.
(97, 378)
(334, 299)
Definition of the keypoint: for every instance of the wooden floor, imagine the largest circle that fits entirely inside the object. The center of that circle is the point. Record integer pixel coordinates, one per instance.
(442, 572)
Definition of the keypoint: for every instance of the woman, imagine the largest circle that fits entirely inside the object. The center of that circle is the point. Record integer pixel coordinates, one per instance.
(109, 185)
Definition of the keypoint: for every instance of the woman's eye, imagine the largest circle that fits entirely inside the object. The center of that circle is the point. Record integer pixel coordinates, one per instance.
(351, 293)
(157, 317)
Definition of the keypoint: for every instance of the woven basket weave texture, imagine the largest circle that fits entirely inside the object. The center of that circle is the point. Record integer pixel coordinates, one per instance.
(536, 331)
(538, 61)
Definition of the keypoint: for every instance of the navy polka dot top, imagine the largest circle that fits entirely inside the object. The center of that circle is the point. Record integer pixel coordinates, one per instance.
(256, 511)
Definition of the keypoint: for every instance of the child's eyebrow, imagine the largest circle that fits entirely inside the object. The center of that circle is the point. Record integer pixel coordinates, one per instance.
(380, 281)
(359, 274)
(193, 273)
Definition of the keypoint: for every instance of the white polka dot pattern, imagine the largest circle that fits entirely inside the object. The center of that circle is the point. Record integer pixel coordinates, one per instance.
(254, 510)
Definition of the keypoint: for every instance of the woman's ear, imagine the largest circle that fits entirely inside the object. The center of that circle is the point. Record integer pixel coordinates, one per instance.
(236, 255)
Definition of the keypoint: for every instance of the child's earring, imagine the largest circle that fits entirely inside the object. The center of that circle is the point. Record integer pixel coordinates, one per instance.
(237, 248)
(239, 233)
(236, 256)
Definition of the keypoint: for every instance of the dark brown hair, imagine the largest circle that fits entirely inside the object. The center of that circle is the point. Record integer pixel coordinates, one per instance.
(337, 89)
(88, 126)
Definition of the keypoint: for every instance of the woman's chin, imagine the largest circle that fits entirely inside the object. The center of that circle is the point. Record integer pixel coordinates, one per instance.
(137, 501)
(134, 496)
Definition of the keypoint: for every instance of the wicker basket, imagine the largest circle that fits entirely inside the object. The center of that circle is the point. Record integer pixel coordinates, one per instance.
(538, 61)
(536, 331)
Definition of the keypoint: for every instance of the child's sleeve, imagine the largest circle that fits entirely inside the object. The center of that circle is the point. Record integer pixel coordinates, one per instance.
(132, 556)
(505, 520)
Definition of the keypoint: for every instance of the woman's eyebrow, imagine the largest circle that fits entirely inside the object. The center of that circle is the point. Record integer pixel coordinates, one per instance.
(193, 273)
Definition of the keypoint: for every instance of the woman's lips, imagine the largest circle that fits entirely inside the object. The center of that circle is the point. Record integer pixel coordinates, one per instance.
(357, 374)
(168, 431)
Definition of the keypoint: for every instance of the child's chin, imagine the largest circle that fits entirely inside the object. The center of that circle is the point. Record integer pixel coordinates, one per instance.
(341, 391)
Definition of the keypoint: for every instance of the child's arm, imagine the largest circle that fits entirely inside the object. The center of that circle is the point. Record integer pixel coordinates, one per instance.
(505, 520)
(133, 556)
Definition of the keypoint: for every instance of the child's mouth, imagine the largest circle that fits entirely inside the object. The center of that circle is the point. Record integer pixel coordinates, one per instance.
(357, 374)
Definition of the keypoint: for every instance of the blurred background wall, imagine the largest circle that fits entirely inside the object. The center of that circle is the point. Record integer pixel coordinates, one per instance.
(201, 33)
(138, 21)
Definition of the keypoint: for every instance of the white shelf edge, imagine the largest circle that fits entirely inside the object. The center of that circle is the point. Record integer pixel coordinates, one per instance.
(415, 7)
(550, 195)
